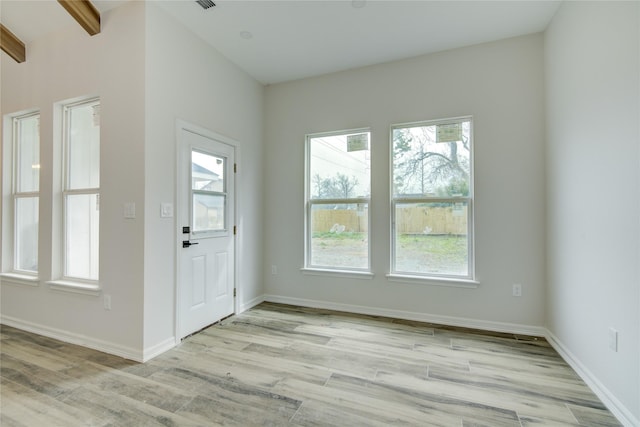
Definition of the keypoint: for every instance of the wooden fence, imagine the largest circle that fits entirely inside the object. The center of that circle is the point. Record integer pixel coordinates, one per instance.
(410, 220)
(324, 220)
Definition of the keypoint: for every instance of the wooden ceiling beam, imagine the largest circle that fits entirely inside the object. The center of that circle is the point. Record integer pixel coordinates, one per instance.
(84, 13)
(12, 45)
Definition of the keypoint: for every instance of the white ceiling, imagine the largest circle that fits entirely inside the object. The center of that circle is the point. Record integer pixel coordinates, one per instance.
(301, 38)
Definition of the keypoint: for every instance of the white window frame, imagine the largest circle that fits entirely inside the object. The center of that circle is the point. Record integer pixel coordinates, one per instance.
(11, 272)
(468, 280)
(20, 194)
(227, 170)
(310, 202)
(66, 192)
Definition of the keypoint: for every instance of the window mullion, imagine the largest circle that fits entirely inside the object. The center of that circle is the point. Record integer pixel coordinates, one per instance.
(80, 191)
(26, 194)
(208, 192)
(356, 201)
(430, 199)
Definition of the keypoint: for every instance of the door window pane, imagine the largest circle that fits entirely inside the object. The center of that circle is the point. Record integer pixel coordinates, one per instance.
(26, 234)
(208, 212)
(207, 172)
(208, 192)
(82, 223)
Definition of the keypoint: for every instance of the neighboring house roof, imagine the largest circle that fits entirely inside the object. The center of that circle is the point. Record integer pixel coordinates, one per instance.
(202, 171)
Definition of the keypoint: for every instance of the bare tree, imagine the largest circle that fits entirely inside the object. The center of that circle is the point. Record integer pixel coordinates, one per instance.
(339, 187)
(322, 186)
(344, 185)
(423, 166)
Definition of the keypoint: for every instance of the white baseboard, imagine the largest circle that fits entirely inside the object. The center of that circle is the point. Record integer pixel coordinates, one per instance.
(249, 304)
(610, 401)
(486, 325)
(158, 349)
(69, 337)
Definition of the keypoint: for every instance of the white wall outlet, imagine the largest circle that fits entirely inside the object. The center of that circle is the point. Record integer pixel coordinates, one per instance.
(274, 269)
(613, 339)
(517, 290)
(107, 302)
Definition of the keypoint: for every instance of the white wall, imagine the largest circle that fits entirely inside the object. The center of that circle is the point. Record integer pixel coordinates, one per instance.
(187, 79)
(65, 65)
(501, 85)
(148, 71)
(592, 71)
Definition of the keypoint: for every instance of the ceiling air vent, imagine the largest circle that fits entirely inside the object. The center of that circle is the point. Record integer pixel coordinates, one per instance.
(206, 4)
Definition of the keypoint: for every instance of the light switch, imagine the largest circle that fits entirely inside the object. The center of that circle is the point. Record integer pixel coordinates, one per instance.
(166, 210)
(129, 210)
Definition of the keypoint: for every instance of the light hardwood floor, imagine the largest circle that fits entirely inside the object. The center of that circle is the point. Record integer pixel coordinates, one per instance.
(281, 365)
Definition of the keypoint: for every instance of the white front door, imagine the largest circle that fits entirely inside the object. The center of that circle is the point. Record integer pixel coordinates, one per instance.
(206, 216)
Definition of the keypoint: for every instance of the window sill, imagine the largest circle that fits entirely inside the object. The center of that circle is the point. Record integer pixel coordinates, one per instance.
(434, 281)
(75, 287)
(20, 279)
(347, 274)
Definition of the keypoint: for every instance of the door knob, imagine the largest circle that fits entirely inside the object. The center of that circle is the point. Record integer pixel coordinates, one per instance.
(186, 243)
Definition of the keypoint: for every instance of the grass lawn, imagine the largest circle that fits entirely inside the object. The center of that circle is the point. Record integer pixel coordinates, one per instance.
(421, 253)
(339, 250)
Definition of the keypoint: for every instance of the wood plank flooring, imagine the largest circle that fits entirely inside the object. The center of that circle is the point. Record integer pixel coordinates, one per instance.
(277, 365)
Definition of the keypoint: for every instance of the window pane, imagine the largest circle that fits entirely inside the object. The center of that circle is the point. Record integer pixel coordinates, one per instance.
(83, 146)
(81, 227)
(339, 235)
(432, 160)
(339, 166)
(28, 154)
(432, 238)
(26, 234)
(208, 212)
(207, 172)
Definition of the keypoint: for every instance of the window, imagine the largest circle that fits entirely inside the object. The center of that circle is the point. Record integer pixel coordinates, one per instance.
(338, 188)
(26, 184)
(81, 190)
(431, 199)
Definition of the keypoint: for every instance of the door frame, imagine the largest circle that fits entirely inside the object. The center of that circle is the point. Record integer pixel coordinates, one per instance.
(179, 220)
